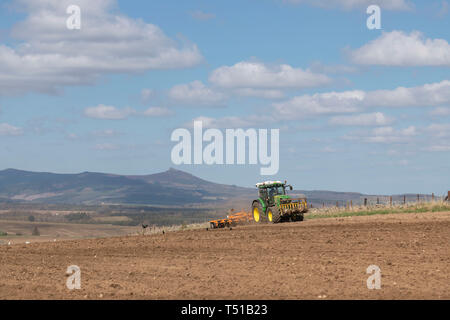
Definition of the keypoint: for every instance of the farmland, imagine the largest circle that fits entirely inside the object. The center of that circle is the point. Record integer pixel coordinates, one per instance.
(322, 258)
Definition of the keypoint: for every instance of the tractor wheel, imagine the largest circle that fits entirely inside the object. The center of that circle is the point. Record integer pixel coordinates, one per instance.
(257, 212)
(273, 214)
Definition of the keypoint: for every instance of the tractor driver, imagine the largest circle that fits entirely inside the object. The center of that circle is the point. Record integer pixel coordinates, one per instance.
(272, 192)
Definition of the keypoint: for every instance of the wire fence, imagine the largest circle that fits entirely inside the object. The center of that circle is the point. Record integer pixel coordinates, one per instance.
(370, 201)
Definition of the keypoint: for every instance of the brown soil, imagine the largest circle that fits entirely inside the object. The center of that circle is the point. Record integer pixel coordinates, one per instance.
(53, 231)
(313, 259)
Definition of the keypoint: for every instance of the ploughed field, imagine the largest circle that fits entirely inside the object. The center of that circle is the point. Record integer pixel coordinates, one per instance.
(313, 259)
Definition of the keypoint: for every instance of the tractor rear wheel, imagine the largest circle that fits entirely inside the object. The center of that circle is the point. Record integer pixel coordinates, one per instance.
(257, 212)
(273, 214)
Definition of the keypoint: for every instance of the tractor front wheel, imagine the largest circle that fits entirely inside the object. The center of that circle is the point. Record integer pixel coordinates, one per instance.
(257, 212)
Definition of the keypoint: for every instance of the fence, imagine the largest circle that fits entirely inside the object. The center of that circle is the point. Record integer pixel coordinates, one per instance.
(381, 200)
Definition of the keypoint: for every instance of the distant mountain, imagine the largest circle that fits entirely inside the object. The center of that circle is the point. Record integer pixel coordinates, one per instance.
(182, 180)
(171, 187)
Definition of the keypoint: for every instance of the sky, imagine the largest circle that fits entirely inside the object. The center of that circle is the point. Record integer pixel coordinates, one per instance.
(358, 109)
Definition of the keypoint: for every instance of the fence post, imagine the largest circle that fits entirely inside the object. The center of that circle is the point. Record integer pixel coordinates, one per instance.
(351, 204)
(378, 200)
(432, 197)
(404, 199)
(418, 199)
(365, 202)
(390, 201)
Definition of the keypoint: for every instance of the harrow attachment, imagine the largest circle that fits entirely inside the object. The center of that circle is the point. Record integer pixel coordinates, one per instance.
(241, 217)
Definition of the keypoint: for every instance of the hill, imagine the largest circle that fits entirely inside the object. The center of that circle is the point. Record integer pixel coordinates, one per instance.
(172, 187)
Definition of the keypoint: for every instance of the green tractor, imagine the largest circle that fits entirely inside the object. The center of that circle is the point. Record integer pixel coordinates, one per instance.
(274, 205)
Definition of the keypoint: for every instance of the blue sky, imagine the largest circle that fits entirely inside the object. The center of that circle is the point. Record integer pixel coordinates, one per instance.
(358, 109)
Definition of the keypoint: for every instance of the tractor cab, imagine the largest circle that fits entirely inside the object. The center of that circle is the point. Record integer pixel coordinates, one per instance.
(269, 190)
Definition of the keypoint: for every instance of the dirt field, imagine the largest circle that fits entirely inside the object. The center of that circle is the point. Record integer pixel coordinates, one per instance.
(59, 231)
(316, 259)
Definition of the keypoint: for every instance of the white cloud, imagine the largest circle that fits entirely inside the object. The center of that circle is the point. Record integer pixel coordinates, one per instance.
(438, 148)
(51, 57)
(157, 112)
(108, 112)
(196, 93)
(318, 104)
(107, 133)
(364, 119)
(441, 111)
(351, 4)
(202, 16)
(225, 122)
(433, 94)
(9, 130)
(440, 130)
(434, 137)
(444, 9)
(257, 75)
(427, 95)
(247, 79)
(232, 121)
(146, 95)
(112, 113)
(397, 48)
(260, 93)
(94, 135)
(391, 135)
(387, 135)
(329, 149)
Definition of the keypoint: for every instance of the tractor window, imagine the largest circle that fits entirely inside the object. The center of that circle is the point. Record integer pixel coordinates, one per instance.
(274, 191)
(263, 193)
(280, 191)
